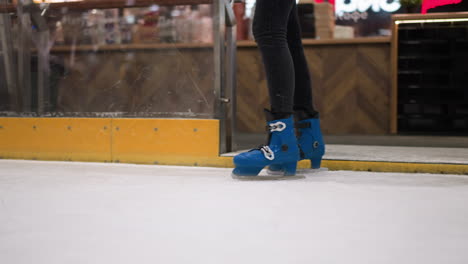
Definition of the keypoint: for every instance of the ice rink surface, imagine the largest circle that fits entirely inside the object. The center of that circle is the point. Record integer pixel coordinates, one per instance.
(66, 213)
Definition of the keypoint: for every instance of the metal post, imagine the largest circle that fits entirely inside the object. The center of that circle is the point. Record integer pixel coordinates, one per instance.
(231, 78)
(43, 73)
(6, 44)
(24, 55)
(43, 54)
(219, 24)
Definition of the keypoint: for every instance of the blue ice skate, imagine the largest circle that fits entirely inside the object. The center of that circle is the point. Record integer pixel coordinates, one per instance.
(312, 146)
(311, 141)
(282, 150)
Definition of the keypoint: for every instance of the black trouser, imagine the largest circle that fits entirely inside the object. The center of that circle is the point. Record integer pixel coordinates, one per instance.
(278, 35)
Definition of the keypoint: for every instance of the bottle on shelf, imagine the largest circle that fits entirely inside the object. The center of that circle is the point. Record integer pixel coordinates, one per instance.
(242, 21)
(206, 24)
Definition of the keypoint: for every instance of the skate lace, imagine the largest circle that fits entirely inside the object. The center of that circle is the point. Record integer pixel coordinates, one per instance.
(276, 127)
(265, 149)
(267, 152)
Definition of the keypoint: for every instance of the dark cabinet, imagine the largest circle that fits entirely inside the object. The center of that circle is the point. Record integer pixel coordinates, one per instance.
(432, 76)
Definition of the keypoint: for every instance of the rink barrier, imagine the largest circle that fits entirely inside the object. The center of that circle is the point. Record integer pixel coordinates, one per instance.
(185, 142)
(146, 141)
(403, 167)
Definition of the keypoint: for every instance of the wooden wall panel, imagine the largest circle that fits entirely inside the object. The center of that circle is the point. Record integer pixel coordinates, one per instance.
(252, 92)
(351, 87)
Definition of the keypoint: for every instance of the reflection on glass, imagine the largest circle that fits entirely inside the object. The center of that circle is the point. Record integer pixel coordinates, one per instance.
(146, 61)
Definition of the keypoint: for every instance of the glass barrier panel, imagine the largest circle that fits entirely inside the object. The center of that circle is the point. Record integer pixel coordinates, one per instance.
(107, 58)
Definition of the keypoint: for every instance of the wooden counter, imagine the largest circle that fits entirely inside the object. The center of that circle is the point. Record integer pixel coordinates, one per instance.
(351, 80)
(240, 44)
(130, 47)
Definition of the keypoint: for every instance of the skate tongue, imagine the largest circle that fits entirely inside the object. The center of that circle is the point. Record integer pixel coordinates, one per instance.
(272, 116)
(257, 148)
(305, 114)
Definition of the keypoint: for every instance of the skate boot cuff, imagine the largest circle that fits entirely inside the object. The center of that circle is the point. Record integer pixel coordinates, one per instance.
(270, 115)
(304, 114)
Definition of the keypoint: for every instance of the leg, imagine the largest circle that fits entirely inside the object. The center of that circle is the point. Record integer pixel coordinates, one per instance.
(303, 89)
(270, 30)
(309, 133)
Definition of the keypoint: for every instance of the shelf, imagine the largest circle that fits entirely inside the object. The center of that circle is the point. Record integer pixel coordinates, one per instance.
(426, 88)
(410, 72)
(105, 4)
(436, 98)
(418, 57)
(129, 47)
(424, 41)
(424, 71)
(432, 116)
(430, 16)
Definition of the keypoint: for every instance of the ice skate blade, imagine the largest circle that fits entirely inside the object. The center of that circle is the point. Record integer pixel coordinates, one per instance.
(305, 172)
(268, 177)
(274, 173)
(311, 171)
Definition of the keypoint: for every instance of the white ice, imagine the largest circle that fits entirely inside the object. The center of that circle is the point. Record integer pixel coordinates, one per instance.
(66, 213)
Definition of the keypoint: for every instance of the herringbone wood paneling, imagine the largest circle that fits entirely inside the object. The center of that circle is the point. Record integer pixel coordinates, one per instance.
(351, 88)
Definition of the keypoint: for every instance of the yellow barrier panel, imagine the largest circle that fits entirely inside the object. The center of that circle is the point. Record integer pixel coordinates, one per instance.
(165, 141)
(77, 139)
(162, 141)
(378, 166)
